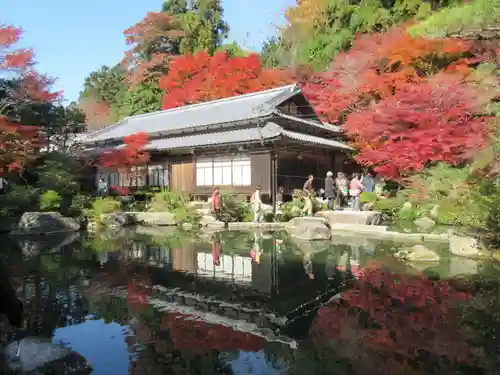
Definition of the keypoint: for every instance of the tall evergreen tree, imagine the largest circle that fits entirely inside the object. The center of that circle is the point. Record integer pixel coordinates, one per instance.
(204, 27)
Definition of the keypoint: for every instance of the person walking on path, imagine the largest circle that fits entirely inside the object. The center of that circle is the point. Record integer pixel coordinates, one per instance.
(256, 203)
(329, 189)
(307, 194)
(216, 202)
(356, 189)
(342, 190)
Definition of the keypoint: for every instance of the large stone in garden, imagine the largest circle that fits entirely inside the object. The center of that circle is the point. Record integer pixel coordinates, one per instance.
(309, 228)
(418, 254)
(424, 223)
(154, 218)
(466, 247)
(200, 205)
(32, 223)
(39, 355)
(117, 219)
(351, 217)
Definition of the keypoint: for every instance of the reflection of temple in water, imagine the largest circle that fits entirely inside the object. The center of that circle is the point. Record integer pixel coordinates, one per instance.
(254, 286)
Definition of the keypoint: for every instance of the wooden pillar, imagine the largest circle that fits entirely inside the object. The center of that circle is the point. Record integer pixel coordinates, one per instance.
(274, 178)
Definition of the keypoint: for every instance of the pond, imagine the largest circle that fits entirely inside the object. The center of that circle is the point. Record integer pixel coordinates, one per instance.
(175, 302)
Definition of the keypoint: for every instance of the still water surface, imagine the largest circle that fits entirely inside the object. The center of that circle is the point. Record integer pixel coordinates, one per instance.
(256, 303)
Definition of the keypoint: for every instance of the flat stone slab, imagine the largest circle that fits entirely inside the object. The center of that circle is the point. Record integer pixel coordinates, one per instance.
(153, 218)
(351, 217)
(381, 232)
(250, 225)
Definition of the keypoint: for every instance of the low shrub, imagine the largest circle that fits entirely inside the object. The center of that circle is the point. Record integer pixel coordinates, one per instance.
(294, 207)
(235, 208)
(18, 200)
(175, 203)
(167, 201)
(50, 201)
(368, 197)
(79, 204)
(101, 206)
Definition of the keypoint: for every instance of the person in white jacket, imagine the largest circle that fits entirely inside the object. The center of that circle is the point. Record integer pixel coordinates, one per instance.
(256, 203)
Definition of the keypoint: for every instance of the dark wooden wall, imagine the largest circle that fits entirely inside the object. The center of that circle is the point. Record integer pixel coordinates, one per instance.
(183, 176)
(261, 172)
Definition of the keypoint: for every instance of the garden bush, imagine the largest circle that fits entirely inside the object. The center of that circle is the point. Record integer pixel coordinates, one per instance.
(101, 206)
(175, 203)
(18, 200)
(235, 208)
(79, 204)
(50, 201)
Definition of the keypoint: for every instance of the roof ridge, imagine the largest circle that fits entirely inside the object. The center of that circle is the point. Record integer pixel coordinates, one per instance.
(202, 104)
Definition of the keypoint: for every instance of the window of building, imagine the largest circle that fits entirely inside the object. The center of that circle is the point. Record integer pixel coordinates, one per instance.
(157, 175)
(242, 172)
(231, 267)
(113, 178)
(204, 172)
(223, 172)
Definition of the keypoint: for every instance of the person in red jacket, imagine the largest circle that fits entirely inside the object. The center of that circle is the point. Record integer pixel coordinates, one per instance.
(216, 202)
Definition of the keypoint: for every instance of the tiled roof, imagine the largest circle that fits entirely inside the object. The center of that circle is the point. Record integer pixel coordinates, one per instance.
(254, 134)
(306, 138)
(316, 124)
(266, 133)
(228, 110)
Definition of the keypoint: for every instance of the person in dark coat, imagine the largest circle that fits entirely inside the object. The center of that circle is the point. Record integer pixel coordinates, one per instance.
(330, 189)
(10, 305)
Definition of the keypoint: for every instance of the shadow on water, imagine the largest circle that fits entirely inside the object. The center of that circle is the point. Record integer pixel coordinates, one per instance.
(175, 302)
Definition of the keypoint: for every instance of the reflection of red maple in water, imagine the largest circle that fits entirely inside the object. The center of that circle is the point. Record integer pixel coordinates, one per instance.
(400, 317)
(137, 296)
(198, 337)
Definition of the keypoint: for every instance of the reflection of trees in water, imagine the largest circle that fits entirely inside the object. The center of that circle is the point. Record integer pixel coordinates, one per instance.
(398, 324)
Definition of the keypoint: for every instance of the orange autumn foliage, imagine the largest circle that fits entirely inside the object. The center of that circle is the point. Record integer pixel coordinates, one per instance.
(374, 68)
(19, 143)
(199, 78)
(150, 42)
(404, 101)
(129, 156)
(307, 14)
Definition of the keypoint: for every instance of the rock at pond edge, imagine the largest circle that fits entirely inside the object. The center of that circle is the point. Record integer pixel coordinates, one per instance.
(35, 223)
(417, 254)
(309, 228)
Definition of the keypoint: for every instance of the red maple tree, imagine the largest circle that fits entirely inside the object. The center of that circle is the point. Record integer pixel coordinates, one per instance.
(18, 143)
(97, 115)
(397, 112)
(150, 44)
(128, 158)
(376, 66)
(195, 336)
(199, 78)
(394, 321)
(434, 121)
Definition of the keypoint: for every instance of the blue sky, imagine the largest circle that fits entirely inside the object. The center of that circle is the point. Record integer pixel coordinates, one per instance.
(72, 38)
